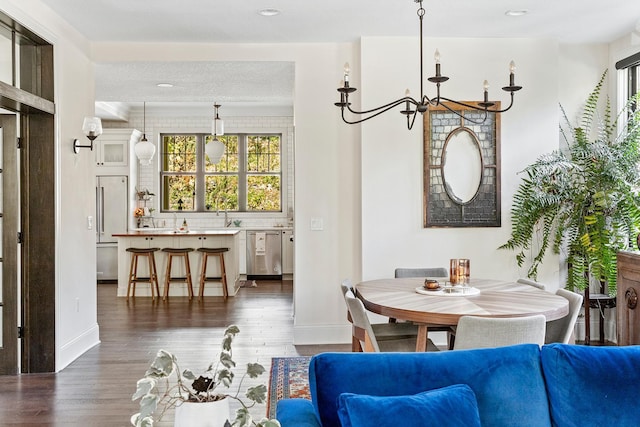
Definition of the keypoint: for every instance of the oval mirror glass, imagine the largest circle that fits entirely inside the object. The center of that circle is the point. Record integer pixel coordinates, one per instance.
(462, 166)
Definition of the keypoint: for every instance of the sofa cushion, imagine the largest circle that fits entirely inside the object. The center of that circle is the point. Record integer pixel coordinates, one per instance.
(451, 406)
(507, 381)
(592, 386)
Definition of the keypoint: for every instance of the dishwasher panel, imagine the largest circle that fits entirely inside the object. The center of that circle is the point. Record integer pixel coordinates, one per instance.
(264, 254)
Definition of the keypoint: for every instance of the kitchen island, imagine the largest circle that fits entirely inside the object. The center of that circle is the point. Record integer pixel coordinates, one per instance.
(162, 238)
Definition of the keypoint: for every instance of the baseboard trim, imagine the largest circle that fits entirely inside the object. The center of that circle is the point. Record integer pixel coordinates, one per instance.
(77, 347)
(322, 334)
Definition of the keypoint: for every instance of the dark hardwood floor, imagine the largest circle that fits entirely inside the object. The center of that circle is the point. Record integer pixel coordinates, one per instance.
(96, 389)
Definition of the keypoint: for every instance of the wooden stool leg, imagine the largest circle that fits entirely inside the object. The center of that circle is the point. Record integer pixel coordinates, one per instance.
(149, 262)
(167, 276)
(132, 273)
(154, 276)
(187, 267)
(223, 276)
(203, 275)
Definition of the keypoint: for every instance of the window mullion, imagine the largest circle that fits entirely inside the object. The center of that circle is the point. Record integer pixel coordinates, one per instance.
(200, 168)
(242, 172)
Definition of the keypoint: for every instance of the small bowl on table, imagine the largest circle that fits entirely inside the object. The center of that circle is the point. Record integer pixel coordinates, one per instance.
(431, 285)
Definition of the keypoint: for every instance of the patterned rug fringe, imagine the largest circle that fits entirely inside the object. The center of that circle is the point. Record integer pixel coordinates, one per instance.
(289, 378)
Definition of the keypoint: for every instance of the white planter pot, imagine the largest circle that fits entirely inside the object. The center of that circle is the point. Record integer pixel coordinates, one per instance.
(207, 414)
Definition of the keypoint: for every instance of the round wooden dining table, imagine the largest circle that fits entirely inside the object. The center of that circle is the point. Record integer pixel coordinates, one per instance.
(406, 299)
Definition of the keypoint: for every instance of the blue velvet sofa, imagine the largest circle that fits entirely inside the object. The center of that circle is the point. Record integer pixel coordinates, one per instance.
(524, 385)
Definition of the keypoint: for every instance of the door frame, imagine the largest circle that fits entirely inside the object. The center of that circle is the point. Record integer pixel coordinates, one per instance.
(10, 221)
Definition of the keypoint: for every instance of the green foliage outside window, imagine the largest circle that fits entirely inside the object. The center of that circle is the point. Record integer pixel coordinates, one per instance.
(250, 166)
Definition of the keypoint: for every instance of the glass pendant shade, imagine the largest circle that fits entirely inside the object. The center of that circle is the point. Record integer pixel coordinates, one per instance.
(144, 151)
(214, 150)
(92, 127)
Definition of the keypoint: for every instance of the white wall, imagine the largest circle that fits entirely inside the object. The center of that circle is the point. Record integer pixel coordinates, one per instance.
(392, 169)
(76, 315)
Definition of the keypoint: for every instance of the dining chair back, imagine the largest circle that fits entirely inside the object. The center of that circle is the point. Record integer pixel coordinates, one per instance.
(531, 283)
(396, 337)
(381, 331)
(421, 272)
(561, 330)
(489, 332)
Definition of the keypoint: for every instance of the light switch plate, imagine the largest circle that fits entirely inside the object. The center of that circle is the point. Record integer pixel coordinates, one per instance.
(317, 224)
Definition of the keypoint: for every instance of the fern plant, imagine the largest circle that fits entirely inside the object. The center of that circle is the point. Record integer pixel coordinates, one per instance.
(584, 198)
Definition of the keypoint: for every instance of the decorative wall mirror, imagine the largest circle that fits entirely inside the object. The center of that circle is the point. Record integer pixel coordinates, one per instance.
(461, 168)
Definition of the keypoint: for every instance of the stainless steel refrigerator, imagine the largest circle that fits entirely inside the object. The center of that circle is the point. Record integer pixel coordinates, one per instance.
(111, 217)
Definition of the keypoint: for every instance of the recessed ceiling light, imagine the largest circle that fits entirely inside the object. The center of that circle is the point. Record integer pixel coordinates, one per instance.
(519, 12)
(164, 85)
(269, 12)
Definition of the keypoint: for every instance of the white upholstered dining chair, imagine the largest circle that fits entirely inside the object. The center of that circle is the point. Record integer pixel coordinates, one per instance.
(489, 332)
(561, 330)
(369, 341)
(381, 331)
(421, 272)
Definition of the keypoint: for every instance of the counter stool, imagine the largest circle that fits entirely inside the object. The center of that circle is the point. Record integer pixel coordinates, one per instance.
(206, 253)
(152, 280)
(184, 254)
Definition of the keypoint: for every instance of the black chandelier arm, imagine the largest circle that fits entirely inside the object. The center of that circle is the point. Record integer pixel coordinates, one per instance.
(388, 107)
(411, 121)
(382, 108)
(472, 107)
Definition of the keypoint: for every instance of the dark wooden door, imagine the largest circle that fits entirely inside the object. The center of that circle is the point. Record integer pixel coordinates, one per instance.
(9, 220)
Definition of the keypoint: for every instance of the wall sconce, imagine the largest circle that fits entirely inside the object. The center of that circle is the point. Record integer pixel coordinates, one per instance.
(215, 149)
(144, 149)
(92, 128)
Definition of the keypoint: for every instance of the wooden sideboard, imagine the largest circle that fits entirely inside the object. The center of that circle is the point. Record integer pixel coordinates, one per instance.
(628, 290)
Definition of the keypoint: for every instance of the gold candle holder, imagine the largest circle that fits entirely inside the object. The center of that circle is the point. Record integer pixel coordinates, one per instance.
(459, 271)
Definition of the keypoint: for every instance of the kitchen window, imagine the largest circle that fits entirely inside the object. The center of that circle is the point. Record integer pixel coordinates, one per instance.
(248, 178)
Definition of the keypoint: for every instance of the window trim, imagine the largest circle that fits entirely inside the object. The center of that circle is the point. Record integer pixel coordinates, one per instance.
(242, 174)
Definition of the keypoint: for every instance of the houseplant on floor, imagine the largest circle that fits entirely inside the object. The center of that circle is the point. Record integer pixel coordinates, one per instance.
(584, 198)
(195, 393)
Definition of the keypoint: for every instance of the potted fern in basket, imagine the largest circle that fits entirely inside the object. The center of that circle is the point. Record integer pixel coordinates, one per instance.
(198, 400)
(584, 198)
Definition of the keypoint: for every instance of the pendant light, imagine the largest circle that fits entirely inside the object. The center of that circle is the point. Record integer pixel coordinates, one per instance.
(215, 149)
(144, 149)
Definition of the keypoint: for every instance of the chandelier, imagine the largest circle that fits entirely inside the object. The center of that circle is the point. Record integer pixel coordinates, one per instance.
(412, 106)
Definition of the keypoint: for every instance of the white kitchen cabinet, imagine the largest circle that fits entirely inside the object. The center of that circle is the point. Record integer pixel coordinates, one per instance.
(287, 251)
(112, 148)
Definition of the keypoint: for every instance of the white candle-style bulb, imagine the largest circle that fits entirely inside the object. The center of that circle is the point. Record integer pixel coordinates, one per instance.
(407, 93)
(436, 56)
(347, 70)
(485, 85)
(512, 67)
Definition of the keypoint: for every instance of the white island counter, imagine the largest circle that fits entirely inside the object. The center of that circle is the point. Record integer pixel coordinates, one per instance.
(222, 238)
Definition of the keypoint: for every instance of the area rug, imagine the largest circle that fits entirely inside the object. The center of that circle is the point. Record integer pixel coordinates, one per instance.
(289, 378)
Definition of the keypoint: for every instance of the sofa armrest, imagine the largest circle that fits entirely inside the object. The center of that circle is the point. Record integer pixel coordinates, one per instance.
(296, 413)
